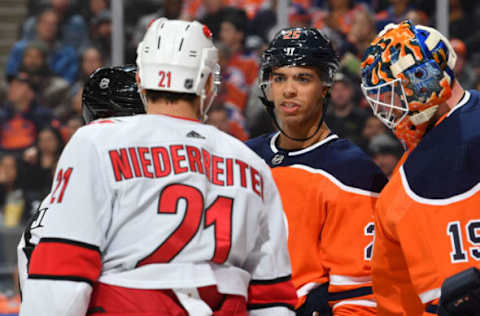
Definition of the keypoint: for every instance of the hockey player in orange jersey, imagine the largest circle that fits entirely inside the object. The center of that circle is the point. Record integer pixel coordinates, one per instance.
(427, 224)
(328, 185)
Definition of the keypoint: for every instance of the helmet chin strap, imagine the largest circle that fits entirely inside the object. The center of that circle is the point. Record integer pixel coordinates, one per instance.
(143, 98)
(203, 112)
(269, 106)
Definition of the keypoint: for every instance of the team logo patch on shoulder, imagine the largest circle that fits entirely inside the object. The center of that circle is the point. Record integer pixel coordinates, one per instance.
(194, 134)
(277, 159)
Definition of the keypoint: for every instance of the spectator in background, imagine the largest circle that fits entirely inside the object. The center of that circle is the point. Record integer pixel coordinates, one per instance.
(232, 34)
(213, 16)
(101, 34)
(21, 117)
(372, 128)
(171, 9)
(461, 23)
(51, 90)
(218, 117)
(41, 160)
(77, 103)
(361, 34)
(233, 90)
(463, 70)
(385, 151)
(91, 59)
(62, 59)
(239, 69)
(251, 7)
(13, 203)
(417, 17)
(338, 17)
(94, 8)
(71, 126)
(3, 88)
(394, 13)
(198, 9)
(298, 16)
(74, 28)
(344, 117)
(263, 25)
(362, 31)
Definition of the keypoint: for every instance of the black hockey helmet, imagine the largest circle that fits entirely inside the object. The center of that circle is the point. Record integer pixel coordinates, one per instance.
(300, 46)
(111, 91)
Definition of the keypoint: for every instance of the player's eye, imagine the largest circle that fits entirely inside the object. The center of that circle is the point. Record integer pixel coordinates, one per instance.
(278, 78)
(303, 79)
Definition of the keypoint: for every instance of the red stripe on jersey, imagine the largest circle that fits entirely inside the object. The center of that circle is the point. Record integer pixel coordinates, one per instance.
(65, 259)
(100, 121)
(272, 292)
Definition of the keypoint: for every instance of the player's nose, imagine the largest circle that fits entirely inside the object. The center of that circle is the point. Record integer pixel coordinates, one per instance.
(289, 88)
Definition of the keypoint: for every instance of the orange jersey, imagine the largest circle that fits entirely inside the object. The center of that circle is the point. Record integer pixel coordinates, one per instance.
(427, 223)
(248, 65)
(328, 192)
(238, 79)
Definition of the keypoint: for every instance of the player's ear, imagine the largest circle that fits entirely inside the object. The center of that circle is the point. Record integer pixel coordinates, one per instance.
(137, 78)
(325, 89)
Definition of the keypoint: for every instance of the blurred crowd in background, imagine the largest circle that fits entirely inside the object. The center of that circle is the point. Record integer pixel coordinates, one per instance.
(61, 42)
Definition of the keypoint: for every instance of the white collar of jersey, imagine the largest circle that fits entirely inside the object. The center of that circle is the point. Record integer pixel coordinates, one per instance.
(275, 150)
(465, 98)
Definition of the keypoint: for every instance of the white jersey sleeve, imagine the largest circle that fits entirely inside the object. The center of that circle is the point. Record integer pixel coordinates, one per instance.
(270, 288)
(67, 260)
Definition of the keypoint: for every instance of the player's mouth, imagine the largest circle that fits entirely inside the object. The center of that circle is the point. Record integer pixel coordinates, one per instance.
(289, 107)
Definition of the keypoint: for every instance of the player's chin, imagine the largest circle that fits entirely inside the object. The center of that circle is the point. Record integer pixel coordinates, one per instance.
(295, 121)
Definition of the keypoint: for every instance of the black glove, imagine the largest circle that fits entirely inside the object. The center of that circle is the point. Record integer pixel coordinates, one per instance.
(460, 294)
(316, 303)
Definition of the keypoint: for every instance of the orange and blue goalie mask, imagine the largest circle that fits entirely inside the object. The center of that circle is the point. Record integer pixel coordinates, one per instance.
(406, 72)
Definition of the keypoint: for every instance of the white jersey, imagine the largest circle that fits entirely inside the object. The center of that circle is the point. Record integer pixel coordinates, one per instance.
(157, 202)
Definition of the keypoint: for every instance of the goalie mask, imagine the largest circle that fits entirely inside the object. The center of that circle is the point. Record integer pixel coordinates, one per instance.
(109, 92)
(179, 56)
(406, 73)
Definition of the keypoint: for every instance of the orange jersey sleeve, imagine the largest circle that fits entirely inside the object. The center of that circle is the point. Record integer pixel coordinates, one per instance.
(331, 236)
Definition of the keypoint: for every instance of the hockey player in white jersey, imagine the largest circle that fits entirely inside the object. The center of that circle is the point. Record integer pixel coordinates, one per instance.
(109, 92)
(159, 214)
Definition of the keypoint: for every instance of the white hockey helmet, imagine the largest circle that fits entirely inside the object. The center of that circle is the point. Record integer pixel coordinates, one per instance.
(178, 56)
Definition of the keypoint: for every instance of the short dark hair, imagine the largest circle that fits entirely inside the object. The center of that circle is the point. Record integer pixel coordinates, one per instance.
(170, 97)
(236, 16)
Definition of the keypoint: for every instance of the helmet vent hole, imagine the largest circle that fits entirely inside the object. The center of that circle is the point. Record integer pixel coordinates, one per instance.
(158, 43)
(419, 74)
(423, 90)
(186, 28)
(181, 44)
